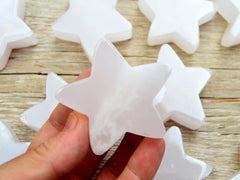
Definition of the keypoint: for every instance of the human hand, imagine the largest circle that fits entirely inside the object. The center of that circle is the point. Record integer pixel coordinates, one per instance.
(61, 150)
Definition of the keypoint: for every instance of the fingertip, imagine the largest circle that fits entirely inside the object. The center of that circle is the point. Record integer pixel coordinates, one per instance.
(84, 75)
(146, 160)
(161, 144)
(148, 156)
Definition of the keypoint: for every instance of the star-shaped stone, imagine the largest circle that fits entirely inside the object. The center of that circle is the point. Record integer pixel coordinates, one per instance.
(36, 116)
(176, 164)
(14, 33)
(87, 22)
(117, 98)
(177, 21)
(230, 11)
(10, 147)
(237, 177)
(179, 100)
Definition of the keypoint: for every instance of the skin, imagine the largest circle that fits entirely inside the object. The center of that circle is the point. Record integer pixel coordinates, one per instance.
(61, 150)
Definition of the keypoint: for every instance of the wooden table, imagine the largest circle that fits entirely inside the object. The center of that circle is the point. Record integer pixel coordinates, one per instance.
(22, 82)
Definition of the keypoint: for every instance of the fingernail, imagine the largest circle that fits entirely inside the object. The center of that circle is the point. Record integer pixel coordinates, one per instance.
(71, 123)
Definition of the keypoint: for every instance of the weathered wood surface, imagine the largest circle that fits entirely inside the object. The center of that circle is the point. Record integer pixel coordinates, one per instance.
(22, 82)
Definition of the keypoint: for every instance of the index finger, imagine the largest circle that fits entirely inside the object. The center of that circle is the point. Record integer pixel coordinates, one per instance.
(56, 121)
(145, 161)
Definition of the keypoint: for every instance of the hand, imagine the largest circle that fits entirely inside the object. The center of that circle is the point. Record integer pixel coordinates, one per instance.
(61, 150)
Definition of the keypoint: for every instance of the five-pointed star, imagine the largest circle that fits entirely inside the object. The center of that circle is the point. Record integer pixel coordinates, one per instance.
(176, 164)
(14, 33)
(180, 100)
(230, 10)
(117, 98)
(10, 147)
(87, 22)
(177, 21)
(36, 116)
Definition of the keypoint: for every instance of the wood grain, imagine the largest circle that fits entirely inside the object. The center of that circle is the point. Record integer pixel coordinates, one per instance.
(22, 82)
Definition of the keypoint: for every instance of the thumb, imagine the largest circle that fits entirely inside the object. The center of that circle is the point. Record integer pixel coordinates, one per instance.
(55, 157)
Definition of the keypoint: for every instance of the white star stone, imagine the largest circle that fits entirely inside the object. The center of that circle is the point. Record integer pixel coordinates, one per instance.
(14, 33)
(36, 116)
(230, 11)
(117, 98)
(177, 21)
(10, 147)
(176, 164)
(237, 177)
(87, 22)
(181, 101)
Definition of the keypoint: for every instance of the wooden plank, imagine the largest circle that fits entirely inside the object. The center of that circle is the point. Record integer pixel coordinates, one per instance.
(223, 84)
